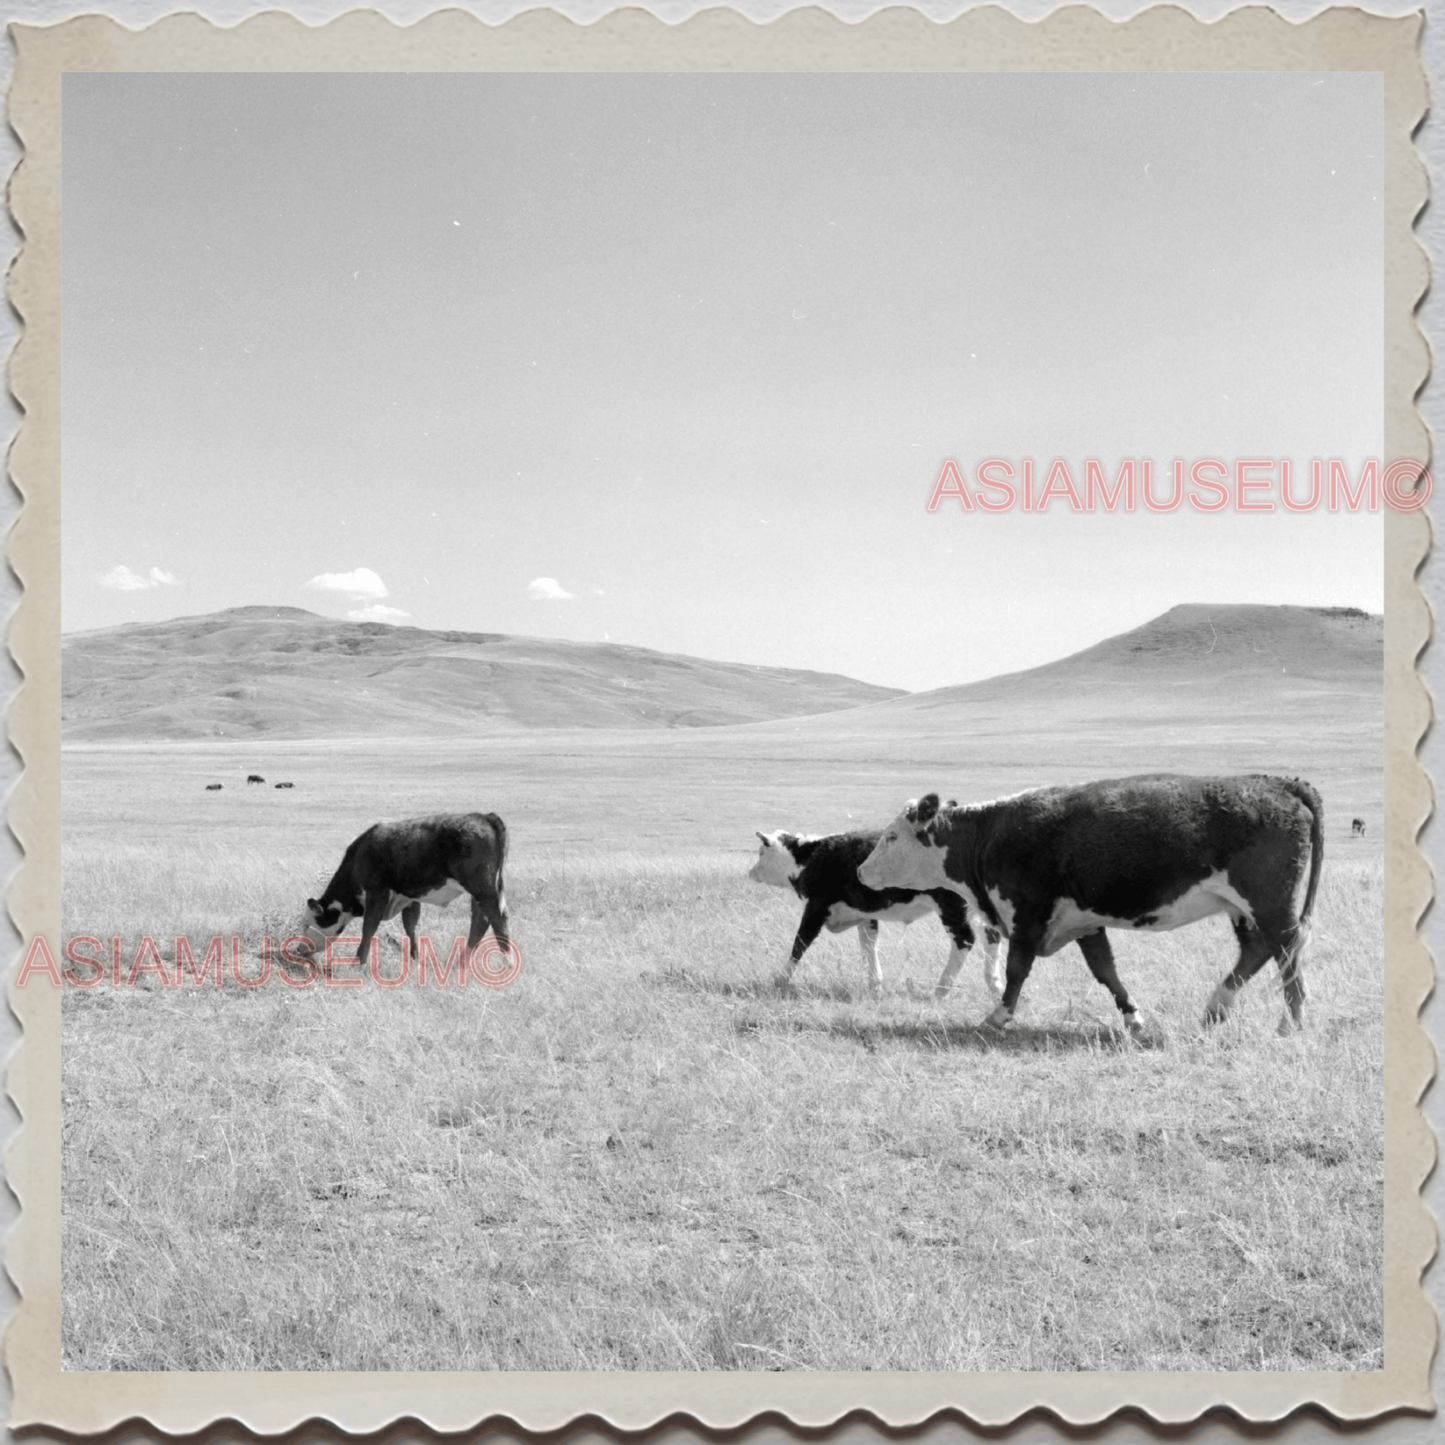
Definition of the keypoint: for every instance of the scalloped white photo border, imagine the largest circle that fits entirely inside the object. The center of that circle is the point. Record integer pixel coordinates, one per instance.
(1076, 38)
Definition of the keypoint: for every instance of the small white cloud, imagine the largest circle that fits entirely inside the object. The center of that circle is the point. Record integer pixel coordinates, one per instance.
(377, 612)
(122, 579)
(359, 584)
(547, 589)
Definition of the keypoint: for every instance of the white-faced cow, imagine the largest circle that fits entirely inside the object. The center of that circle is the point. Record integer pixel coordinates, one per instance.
(823, 872)
(213, 787)
(1357, 827)
(1057, 865)
(396, 867)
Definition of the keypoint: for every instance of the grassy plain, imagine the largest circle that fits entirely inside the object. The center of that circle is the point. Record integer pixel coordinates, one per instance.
(639, 1156)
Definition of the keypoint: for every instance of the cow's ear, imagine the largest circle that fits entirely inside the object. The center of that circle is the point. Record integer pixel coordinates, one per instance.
(927, 808)
(761, 835)
(313, 905)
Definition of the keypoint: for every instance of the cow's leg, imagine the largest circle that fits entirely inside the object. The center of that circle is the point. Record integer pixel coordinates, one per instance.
(377, 902)
(810, 927)
(409, 916)
(993, 958)
(1285, 937)
(1022, 949)
(490, 912)
(1100, 958)
(868, 942)
(955, 922)
(956, 956)
(1294, 981)
(1254, 953)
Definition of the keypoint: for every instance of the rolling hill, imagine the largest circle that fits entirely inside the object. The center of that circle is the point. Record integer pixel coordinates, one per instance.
(1214, 658)
(285, 673)
(281, 673)
(1199, 689)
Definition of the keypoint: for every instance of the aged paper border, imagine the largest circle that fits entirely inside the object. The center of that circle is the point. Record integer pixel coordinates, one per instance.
(990, 40)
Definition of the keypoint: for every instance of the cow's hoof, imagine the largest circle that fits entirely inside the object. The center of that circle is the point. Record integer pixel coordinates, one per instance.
(1142, 1031)
(999, 1019)
(1289, 1025)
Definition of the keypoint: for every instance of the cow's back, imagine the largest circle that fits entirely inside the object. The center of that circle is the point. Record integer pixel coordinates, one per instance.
(830, 874)
(1137, 837)
(422, 853)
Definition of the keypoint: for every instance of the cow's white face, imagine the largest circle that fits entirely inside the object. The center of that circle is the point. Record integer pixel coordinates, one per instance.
(906, 856)
(318, 924)
(776, 865)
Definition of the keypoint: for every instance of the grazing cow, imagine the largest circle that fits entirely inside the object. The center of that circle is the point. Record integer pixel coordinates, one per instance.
(1357, 827)
(255, 778)
(213, 787)
(1056, 865)
(396, 867)
(823, 872)
(285, 785)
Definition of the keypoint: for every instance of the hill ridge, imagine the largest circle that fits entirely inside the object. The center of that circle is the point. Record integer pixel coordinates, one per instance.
(282, 672)
(286, 673)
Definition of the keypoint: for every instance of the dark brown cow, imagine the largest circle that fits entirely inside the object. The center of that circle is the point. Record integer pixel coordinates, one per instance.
(396, 867)
(1057, 865)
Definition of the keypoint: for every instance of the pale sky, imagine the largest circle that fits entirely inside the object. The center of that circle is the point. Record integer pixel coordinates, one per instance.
(675, 360)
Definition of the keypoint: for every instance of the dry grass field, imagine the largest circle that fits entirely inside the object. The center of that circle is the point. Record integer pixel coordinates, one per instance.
(639, 1155)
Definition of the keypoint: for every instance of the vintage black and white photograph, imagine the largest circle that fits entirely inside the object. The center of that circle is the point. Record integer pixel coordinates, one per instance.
(723, 722)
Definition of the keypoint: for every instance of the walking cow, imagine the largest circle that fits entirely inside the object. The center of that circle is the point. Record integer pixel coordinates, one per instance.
(1056, 865)
(396, 867)
(823, 872)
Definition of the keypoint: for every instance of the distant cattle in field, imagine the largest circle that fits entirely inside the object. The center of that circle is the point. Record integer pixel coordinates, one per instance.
(823, 872)
(1357, 827)
(396, 867)
(255, 778)
(285, 785)
(213, 787)
(1056, 865)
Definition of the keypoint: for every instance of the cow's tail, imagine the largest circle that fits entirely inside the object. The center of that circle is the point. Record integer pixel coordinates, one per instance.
(500, 829)
(1308, 795)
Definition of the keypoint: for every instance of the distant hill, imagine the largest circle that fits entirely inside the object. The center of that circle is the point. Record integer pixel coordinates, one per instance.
(282, 672)
(1202, 686)
(1201, 689)
(1241, 649)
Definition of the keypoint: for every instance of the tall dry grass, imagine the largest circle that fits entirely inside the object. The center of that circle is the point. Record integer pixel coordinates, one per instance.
(639, 1156)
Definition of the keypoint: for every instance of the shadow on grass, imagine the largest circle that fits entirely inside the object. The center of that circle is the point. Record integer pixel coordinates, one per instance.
(934, 1034)
(754, 988)
(923, 1033)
